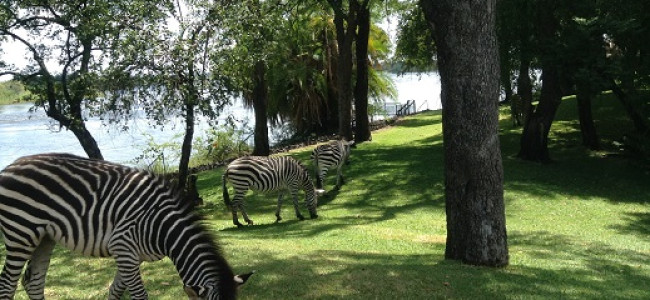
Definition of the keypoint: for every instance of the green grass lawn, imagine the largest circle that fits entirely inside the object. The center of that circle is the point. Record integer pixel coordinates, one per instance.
(578, 228)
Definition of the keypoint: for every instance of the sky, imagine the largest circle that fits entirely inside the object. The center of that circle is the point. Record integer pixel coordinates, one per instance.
(12, 53)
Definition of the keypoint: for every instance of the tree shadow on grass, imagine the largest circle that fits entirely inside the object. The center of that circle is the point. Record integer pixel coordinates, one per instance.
(334, 274)
(73, 276)
(637, 224)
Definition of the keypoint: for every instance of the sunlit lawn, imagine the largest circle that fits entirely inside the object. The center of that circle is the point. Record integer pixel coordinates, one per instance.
(578, 228)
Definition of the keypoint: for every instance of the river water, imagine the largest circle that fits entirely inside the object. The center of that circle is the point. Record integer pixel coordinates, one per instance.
(24, 133)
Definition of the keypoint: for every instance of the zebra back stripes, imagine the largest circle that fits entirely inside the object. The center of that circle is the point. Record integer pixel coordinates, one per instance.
(329, 156)
(262, 173)
(98, 208)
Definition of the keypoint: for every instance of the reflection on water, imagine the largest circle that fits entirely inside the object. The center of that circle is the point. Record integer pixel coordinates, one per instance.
(24, 133)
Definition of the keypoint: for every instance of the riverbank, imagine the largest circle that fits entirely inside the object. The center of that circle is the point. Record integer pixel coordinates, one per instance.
(23, 132)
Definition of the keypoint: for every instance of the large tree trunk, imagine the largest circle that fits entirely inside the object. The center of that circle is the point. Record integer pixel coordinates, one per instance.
(260, 106)
(587, 127)
(525, 89)
(362, 133)
(346, 25)
(469, 70)
(534, 139)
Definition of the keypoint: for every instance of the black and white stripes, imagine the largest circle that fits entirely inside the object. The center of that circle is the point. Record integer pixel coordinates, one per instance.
(329, 156)
(265, 174)
(98, 208)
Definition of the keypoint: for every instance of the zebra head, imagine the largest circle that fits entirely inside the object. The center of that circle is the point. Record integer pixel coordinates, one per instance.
(211, 292)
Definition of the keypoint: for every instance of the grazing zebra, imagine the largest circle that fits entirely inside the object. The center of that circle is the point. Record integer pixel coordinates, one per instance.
(266, 174)
(98, 208)
(329, 156)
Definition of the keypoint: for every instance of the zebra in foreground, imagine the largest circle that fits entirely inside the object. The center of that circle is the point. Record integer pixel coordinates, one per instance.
(267, 174)
(102, 209)
(329, 156)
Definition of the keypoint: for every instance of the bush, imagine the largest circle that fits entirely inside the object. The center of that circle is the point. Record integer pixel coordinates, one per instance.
(220, 145)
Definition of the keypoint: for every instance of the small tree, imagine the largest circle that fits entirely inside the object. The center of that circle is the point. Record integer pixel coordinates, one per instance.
(68, 43)
(170, 69)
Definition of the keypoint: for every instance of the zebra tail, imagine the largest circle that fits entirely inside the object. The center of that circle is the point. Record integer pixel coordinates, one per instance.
(226, 197)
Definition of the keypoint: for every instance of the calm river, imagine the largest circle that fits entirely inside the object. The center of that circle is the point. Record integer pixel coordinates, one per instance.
(23, 133)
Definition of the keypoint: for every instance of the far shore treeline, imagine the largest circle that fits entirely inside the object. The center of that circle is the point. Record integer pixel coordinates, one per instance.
(11, 92)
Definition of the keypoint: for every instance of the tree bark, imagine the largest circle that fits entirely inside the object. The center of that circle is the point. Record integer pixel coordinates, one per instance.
(261, 135)
(525, 88)
(587, 128)
(534, 139)
(362, 132)
(346, 25)
(186, 148)
(72, 119)
(469, 69)
(190, 99)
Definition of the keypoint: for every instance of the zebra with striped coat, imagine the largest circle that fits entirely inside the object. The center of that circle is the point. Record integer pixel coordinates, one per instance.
(329, 156)
(265, 174)
(102, 209)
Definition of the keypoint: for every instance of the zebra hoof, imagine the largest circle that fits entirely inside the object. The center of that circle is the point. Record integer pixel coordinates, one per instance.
(314, 216)
(239, 225)
(250, 222)
(301, 217)
(278, 219)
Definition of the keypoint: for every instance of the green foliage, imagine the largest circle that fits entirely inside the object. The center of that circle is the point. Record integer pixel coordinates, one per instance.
(220, 145)
(415, 50)
(158, 157)
(12, 92)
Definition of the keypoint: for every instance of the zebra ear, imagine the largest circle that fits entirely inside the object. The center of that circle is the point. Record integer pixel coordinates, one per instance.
(241, 279)
(352, 144)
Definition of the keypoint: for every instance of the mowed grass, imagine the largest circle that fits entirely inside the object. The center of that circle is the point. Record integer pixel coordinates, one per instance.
(578, 228)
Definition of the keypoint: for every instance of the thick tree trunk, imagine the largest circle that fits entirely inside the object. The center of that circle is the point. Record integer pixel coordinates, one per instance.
(525, 89)
(260, 106)
(534, 139)
(345, 29)
(362, 133)
(587, 128)
(469, 70)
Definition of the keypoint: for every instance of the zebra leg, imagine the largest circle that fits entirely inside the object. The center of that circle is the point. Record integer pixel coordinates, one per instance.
(294, 194)
(236, 204)
(34, 277)
(239, 203)
(339, 177)
(16, 256)
(117, 288)
(277, 211)
(128, 276)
